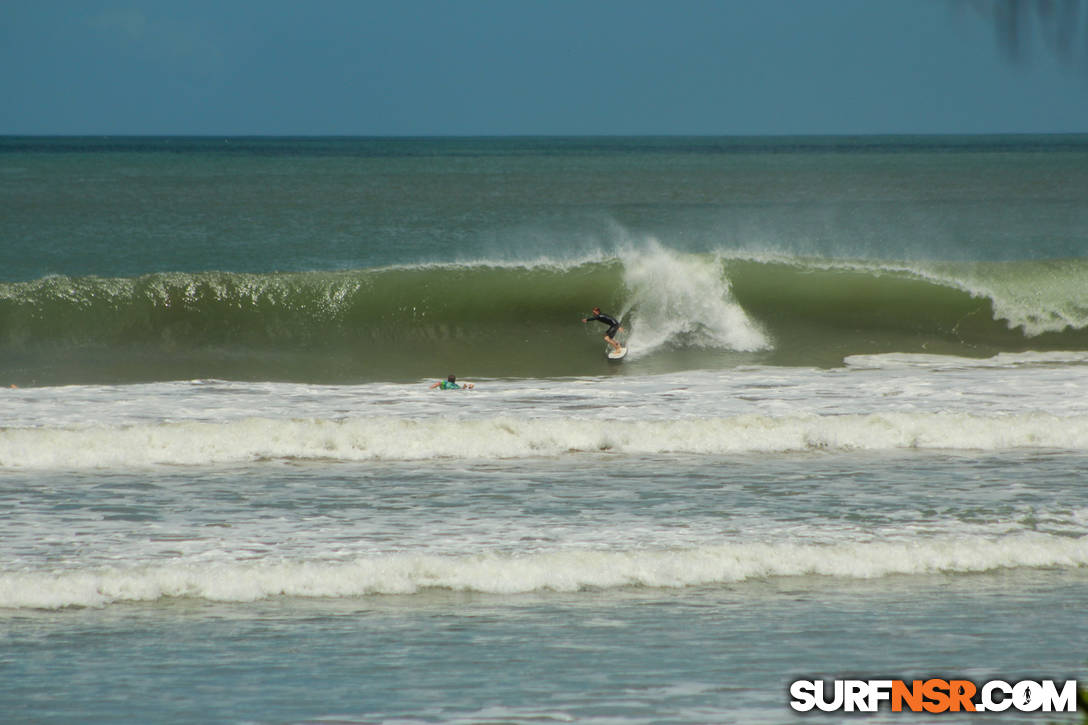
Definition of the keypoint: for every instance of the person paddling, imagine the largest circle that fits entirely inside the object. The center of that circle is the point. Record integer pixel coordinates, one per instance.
(450, 383)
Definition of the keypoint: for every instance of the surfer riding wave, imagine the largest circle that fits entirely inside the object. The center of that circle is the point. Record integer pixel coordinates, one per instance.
(613, 327)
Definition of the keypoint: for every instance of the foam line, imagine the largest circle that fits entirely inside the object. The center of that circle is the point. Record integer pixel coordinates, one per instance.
(356, 439)
(560, 571)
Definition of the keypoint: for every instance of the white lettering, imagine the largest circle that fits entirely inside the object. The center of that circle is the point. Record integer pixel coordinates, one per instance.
(989, 704)
(803, 693)
(1064, 701)
(879, 691)
(821, 697)
(856, 695)
(1027, 696)
(993, 696)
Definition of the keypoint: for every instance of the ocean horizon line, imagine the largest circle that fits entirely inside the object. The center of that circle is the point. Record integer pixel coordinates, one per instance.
(554, 136)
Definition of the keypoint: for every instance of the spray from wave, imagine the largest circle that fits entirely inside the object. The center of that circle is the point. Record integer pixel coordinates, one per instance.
(678, 299)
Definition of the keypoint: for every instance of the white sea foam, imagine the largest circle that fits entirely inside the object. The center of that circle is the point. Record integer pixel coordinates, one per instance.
(364, 439)
(684, 297)
(1005, 360)
(1004, 388)
(561, 571)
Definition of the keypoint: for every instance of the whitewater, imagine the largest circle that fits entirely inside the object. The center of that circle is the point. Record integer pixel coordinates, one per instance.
(1026, 400)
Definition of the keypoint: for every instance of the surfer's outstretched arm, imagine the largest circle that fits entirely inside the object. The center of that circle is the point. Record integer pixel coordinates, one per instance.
(613, 327)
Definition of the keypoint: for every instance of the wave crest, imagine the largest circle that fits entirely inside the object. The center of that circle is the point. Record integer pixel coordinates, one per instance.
(681, 311)
(558, 571)
(397, 439)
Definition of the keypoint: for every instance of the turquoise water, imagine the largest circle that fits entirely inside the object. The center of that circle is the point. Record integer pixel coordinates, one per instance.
(849, 440)
(703, 655)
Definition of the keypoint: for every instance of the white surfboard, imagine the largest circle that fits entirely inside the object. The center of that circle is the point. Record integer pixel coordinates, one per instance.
(613, 355)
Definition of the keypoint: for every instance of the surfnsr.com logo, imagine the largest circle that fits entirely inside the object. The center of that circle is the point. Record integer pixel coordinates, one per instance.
(933, 695)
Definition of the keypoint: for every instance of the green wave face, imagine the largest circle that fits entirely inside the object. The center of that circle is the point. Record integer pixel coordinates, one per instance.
(680, 311)
(395, 323)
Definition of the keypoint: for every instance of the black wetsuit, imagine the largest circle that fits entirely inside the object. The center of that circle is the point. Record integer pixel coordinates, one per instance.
(613, 325)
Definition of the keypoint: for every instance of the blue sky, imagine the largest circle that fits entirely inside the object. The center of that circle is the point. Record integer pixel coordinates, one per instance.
(497, 67)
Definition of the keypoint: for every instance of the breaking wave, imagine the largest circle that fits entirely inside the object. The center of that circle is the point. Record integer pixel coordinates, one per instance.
(398, 439)
(559, 571)
(680, 311)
